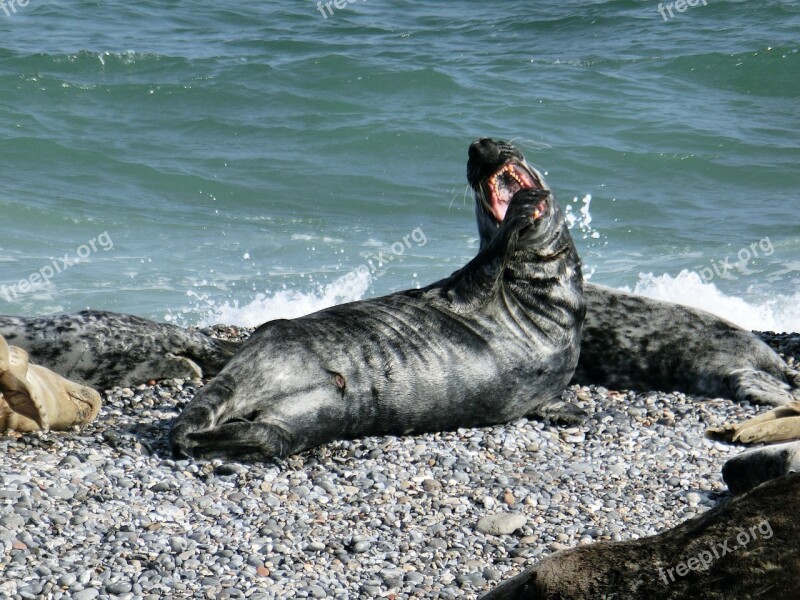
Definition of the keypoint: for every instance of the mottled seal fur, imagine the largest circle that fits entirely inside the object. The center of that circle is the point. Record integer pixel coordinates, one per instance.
(744, 549)
(33, 398)
(105, 349)
(633, 342)
(495, 341)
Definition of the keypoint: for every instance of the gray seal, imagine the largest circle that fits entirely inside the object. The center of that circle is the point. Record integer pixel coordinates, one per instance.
(495, 341)
(105, 349)
(749, 469)
(632, 342)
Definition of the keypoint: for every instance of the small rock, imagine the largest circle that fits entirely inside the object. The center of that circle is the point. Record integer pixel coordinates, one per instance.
(501, 523)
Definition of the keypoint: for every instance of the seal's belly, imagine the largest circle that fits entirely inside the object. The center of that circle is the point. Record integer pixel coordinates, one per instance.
(412, 366)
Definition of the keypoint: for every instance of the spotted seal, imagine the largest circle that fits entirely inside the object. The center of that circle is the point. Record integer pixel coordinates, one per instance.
(495, 341)
(633, 342)
(105, 349)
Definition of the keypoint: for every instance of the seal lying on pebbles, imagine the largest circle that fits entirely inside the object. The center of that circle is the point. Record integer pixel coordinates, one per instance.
(632, 342)
(777, 425)
(33, 398)
(495, 341)
(749, 469)
(105, 349)
(746, 548)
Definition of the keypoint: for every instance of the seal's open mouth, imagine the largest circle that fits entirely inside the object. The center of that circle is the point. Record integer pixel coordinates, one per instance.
(500, 187)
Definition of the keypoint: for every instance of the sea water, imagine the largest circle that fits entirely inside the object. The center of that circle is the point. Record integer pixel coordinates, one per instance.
(202, 162)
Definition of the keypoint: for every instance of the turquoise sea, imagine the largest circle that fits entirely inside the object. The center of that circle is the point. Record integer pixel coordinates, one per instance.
(240, 161)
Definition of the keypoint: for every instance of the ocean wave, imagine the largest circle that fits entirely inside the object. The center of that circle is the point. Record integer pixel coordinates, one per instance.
(756, 311)
(288, 304)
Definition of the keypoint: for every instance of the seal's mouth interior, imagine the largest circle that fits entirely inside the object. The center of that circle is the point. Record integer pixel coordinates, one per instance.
(500, 187)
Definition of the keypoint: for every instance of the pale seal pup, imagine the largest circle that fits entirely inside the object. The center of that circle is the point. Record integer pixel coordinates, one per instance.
(744, 549)
(33, 398)
(495, 341)
(633, 342)
(105, 349)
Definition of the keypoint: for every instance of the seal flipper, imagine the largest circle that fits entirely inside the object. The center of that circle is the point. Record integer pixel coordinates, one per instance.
(39, 398)
(759, 387)
(474, 284)
(241, 441)
(201, 414)
(558, 411)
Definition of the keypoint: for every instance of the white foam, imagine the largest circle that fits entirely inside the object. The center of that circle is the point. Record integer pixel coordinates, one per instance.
(289, 304)
(753, 311)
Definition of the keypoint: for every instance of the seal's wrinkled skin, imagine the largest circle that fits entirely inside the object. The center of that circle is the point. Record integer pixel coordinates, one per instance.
(632, 342)
(495, 341)
(33, 398)
(104, 349)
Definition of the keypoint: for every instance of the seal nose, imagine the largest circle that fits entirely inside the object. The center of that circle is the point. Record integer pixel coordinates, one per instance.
(484, 150)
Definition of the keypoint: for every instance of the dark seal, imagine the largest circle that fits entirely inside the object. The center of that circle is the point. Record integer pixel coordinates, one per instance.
(495, 341)
(745, 548)
(105, 349)
(632, 342)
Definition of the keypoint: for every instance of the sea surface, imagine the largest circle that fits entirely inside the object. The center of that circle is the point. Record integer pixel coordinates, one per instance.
(203, 162)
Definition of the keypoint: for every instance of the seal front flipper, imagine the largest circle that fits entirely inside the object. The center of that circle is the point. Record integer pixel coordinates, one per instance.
(201, 414)
(476, 283)
(558, 411)
(758, 387)
(239, 440)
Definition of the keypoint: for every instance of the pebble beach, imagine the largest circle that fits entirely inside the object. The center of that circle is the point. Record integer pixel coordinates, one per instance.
(105, 512)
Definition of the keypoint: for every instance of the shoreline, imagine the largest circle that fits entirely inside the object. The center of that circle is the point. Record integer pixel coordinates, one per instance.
(105, 511)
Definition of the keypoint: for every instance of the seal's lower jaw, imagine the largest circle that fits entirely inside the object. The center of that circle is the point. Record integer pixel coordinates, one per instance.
(500, 187)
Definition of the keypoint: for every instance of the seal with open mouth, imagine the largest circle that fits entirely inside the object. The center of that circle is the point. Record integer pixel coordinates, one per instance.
(632, 342)
(495, 341)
